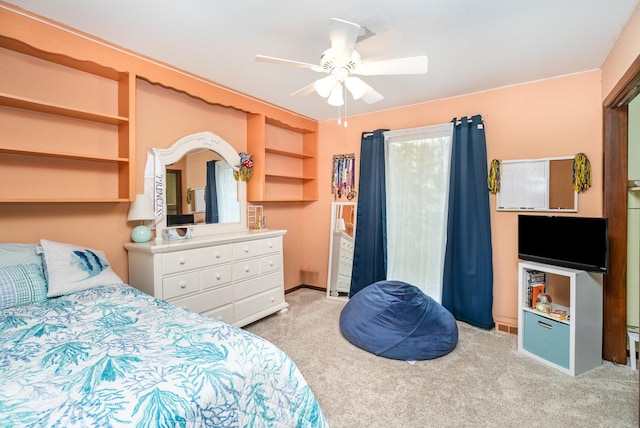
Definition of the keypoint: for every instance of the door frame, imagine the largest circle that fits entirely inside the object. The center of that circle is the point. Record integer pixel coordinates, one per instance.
(615, 172)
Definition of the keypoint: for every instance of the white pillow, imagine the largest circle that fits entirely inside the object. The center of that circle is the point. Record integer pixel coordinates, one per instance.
(71, 268)
(18, 254)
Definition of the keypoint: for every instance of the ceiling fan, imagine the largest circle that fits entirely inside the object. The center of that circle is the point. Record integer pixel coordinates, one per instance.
(342, 63)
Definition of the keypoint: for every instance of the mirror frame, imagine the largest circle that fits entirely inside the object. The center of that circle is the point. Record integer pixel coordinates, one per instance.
(180, 148)
(334, 213)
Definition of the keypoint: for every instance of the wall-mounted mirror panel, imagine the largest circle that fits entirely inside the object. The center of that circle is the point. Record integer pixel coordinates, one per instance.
(544, 184)
(201, 189)
(202, 164)
(341, 245)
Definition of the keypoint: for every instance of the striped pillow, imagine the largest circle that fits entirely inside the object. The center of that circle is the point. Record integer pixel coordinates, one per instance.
(21, 285)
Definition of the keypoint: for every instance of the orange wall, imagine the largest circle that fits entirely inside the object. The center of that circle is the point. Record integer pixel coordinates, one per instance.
(555, 117)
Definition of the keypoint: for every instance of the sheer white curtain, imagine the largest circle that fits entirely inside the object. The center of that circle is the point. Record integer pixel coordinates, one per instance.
(417, 186)
(228, 204)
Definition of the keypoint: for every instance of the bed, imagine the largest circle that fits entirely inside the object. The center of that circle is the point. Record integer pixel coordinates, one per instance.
(110, 355)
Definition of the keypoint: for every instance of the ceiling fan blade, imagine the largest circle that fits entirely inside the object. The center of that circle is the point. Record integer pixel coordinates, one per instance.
(360, 90)
(408, 65)
(343, 36)
(371, 96)
(306, 90)
(273, 60)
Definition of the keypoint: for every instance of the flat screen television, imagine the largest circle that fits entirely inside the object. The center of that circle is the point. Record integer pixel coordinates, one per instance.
(574, 242)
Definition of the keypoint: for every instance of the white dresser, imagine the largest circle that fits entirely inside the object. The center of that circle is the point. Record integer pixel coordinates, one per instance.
(342, 261)
(237, 277)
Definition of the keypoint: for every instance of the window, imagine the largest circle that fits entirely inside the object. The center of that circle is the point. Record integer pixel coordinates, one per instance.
(417, 188)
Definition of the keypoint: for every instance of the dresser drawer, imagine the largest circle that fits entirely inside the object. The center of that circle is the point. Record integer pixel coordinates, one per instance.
(224, 313)
(207, 301)
(215, 277)
(346, 257)
(245, 269)
(547, 338)
(181, 261)
(346, 245)
(259, 247)
(271, 263)
(180, 285)
(345, 269)
(343, 284)
(259, 303)
(257, 285)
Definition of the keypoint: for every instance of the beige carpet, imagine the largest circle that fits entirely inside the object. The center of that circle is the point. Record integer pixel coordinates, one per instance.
(484, 382)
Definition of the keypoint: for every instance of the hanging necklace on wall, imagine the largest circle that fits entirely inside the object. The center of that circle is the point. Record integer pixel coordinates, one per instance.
(343, 176)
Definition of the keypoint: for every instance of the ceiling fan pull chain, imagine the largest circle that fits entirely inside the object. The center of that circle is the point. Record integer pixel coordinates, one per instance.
(345, 109)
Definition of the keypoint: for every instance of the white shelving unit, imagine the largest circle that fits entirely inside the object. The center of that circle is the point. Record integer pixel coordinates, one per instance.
(574, 345)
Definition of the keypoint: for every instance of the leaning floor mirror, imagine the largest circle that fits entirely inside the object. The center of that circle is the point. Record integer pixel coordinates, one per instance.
(341, 244)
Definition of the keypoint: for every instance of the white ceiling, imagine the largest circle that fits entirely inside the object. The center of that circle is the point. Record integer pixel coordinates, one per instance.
(472, 45)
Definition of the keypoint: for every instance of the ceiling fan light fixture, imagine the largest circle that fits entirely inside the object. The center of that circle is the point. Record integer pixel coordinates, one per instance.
(356, 86)
(324, 86)
(336, 98)
(343, 64)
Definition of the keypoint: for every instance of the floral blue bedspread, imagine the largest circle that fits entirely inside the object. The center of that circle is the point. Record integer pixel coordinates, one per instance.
(113, 356)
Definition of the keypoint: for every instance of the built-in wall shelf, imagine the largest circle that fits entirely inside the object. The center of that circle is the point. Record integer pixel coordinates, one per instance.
(42, 107)
(62, 200)
(60, 155)
(284, 159)
(66, 128)
(289, 177)
(288, 153)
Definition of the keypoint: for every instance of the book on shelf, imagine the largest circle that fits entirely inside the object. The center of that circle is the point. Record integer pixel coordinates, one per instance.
(536, 289)
(536, 277)
(559, 314)
(533, 290)
(535, 281)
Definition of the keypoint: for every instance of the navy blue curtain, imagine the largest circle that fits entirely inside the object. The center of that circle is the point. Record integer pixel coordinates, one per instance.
(211, 195)
(369, 254)
(467, 289)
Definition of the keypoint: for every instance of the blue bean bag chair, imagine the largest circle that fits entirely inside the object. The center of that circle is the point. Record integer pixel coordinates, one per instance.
(397, 320)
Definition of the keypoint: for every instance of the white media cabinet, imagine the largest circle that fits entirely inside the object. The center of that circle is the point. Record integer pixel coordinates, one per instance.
(574, 345)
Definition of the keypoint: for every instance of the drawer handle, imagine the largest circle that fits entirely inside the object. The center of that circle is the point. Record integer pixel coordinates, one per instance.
(270, 245)
(270, 262)
(246, 249)
(217, 255)
(181, 260)
(183, 285)
(273, 299)
(247, 269)
(218, 276)
(545, 325)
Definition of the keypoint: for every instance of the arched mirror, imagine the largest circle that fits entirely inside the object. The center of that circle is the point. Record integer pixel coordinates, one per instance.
(341, 244)
(198, 188)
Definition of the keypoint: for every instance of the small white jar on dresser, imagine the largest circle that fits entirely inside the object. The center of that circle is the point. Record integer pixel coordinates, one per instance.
(237, 278)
